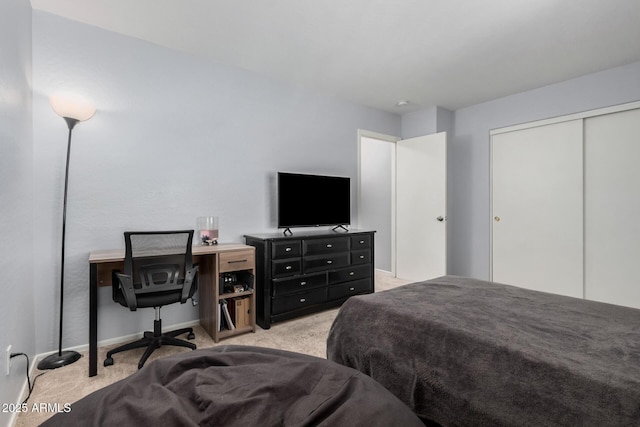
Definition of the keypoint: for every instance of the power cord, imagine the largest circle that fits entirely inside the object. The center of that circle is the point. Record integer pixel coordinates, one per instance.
(31, 386)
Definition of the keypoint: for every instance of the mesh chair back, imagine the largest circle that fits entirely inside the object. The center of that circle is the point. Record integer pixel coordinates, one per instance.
(157, 260)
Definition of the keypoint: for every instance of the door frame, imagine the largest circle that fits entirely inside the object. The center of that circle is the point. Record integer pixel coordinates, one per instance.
(392, 140)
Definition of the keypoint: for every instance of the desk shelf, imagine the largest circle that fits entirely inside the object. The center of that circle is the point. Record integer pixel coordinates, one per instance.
(240, 263)
(227, 333)
(236, 294)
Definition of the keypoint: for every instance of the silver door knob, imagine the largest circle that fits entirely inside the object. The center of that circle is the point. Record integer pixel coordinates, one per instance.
(440, 218)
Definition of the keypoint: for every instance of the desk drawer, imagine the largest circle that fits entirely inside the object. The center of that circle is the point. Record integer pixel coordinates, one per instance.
(236, 261)
(298, 301)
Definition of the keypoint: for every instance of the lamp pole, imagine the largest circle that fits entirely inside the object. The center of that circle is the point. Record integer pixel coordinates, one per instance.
(73, 110)
(67, 357)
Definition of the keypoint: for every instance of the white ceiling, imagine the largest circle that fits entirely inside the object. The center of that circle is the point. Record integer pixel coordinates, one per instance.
(450, 53)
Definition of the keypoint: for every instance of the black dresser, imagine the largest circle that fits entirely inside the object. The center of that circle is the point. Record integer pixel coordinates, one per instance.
(309, 271)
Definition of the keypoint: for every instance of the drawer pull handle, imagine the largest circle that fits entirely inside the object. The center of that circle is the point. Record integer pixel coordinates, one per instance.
(236, 261)
(362, 242)
(351, 273)
(361, 256)
(329, 245)
(303, 283)
(352, 289)
(303, 300)
(329, 261)
(287, 250)
(288, 267)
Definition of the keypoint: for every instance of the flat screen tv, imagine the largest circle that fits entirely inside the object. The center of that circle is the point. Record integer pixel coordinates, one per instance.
(313, 200)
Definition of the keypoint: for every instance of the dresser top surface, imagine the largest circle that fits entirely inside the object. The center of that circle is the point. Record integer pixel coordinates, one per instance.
(304, 234)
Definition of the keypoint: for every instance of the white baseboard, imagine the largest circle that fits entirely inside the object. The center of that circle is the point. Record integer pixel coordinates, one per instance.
(385, 272)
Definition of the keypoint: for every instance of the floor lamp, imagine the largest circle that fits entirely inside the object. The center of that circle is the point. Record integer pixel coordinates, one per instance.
(72, 110)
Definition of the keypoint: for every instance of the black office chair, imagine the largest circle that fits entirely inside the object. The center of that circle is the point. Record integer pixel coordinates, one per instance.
(158, 271)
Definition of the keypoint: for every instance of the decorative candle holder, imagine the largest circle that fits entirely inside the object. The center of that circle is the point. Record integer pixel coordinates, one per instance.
(208, 230)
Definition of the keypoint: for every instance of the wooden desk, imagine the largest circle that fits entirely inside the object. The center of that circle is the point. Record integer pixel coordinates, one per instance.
(103, 262)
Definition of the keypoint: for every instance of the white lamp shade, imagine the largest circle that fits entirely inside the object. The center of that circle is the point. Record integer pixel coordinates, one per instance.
(72, 107)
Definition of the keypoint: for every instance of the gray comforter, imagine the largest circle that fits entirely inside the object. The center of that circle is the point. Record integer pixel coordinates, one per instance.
(467, 352)
(240, 386)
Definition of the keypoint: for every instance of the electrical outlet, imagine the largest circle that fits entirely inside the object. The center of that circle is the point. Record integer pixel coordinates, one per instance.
(8, 359)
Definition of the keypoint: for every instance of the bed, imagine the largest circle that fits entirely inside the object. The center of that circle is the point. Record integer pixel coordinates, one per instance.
(240, 386)
(467, 352)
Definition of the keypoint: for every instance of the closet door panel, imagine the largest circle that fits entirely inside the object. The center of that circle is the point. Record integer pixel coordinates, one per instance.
(537, 190)
(612, 208)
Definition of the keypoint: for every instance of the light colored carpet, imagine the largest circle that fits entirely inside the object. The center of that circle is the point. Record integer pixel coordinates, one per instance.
(68, 384)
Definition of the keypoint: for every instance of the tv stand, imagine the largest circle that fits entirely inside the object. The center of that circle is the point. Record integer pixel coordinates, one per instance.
(309, 272)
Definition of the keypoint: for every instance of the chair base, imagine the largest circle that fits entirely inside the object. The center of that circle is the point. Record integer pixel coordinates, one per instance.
(154, 340)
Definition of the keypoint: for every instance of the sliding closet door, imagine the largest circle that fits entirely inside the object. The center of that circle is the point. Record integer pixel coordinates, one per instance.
(537, 191)
(612, 208)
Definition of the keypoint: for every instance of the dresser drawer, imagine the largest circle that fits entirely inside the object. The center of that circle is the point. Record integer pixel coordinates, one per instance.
(361, 257)
(288, 249)
(286, 267)
(298, 301)
(350, 288)
(236, 261)
(298, 284)
(360, 242)
(324, 246)
(320, 263)
(350, 273)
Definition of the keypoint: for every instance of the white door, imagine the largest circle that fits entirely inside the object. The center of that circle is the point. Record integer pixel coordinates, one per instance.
(612, 208)
(421, 188)
(537, 221)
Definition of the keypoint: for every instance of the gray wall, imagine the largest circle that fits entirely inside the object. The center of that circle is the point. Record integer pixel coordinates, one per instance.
(175, 137)
(469, 221)
(16, 201)
(427, 121)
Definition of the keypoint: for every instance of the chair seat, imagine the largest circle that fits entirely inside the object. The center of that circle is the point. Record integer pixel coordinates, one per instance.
(155, 299)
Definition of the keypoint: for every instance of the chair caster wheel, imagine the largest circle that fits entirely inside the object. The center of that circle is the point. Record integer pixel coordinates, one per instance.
(191, 336)
(108, 361)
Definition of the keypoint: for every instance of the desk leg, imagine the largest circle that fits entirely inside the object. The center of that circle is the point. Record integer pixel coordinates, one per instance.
(93, 320)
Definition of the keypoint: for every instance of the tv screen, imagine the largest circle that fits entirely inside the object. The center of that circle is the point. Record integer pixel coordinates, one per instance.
(313, 200)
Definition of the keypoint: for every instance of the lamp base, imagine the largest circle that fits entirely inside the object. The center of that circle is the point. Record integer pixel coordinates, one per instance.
(58, 360)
